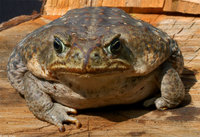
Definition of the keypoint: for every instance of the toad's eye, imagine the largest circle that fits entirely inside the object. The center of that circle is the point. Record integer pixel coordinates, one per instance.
(59, 46)
(115, 46)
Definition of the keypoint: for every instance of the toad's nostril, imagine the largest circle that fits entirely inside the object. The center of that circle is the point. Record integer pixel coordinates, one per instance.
(76, 54)
(96, 55)
(96, 59)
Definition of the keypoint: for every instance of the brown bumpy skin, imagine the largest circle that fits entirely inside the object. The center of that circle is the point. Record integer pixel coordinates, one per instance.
(171, 86)
(42, 106)
(94, 57)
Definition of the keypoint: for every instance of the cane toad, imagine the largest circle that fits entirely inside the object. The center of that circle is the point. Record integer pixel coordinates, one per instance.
(93, 57)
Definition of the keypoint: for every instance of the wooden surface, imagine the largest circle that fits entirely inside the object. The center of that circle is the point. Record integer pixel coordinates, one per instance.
(128, 120)
(60, 7)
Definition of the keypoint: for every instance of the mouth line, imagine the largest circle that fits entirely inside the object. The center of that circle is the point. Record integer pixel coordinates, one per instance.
(110, 68)
(89, 74)
(87, 71)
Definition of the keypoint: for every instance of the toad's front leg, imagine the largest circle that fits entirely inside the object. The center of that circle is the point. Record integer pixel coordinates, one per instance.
(41, 105)
(171, 86)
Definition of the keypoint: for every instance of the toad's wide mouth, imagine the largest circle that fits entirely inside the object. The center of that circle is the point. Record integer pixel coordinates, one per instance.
(87, 70)
(59, 69)
(96, 73)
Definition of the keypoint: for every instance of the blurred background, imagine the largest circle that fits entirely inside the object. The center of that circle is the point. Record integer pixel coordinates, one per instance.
(13, 8)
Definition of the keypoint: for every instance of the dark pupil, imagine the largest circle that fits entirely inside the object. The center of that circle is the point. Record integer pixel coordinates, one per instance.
(115, 46)
(57, 45)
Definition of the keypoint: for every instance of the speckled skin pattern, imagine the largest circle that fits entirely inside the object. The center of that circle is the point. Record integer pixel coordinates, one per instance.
(93, 57)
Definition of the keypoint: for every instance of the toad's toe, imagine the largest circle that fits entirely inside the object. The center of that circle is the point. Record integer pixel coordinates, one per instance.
(58, 115)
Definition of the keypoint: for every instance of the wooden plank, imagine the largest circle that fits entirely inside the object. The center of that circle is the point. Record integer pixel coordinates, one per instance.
(111, 3)
(55, 7)
(128, 120)
(60, 7)
(145, 3)
(183, 6)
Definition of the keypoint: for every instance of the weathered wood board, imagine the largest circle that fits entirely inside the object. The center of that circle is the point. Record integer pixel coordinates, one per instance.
(60, 7)
(128, 120)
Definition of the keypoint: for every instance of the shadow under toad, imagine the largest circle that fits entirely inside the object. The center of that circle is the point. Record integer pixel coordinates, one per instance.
(119, 113)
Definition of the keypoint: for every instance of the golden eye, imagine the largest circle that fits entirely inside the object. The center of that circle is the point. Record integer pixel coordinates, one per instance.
(58, 45)
(115, 46)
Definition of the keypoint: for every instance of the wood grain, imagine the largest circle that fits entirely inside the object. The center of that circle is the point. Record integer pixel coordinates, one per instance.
(128, 120)
(60, 7)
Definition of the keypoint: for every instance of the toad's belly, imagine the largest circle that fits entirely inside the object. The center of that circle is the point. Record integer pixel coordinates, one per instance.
(127, 92)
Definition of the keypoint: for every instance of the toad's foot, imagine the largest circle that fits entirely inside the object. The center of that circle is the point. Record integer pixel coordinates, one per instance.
(163, 104)
(41, 105)
(160, 103)
(58, 114)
